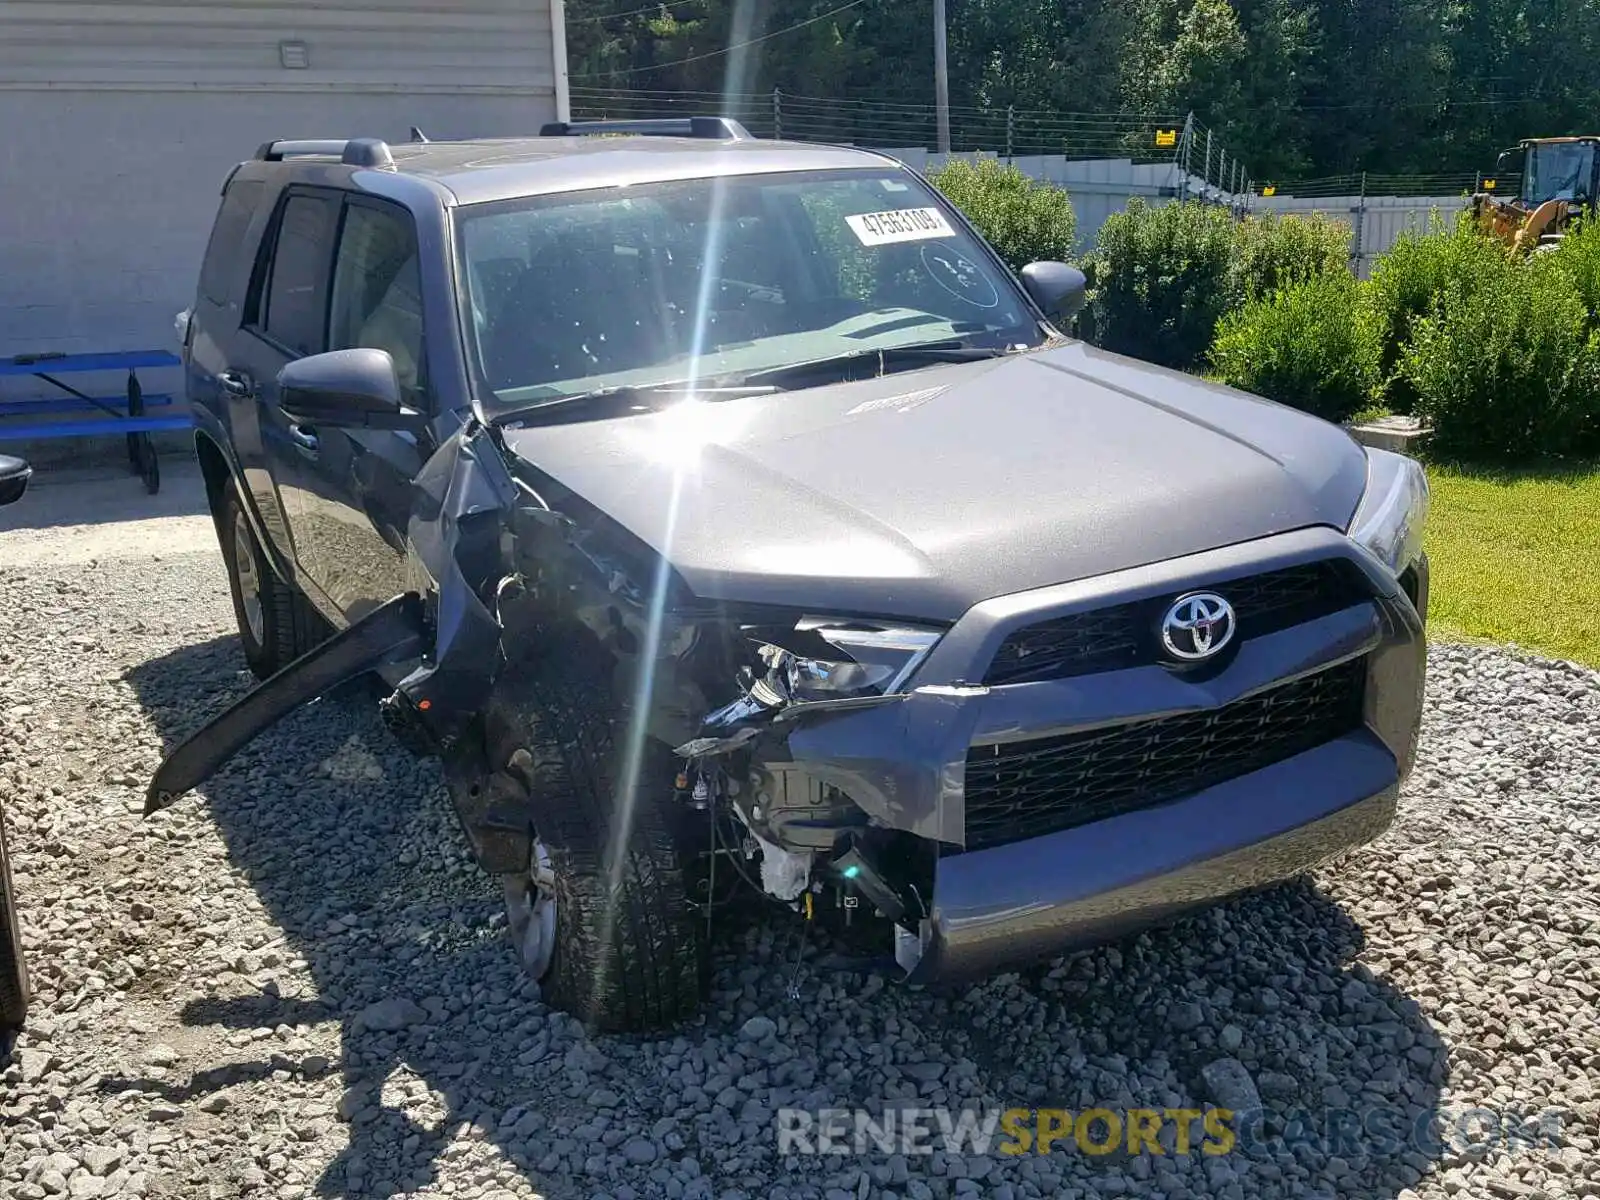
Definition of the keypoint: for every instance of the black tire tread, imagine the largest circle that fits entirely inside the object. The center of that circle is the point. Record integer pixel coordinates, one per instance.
(13, 975)
(292, 625)
(650, 971)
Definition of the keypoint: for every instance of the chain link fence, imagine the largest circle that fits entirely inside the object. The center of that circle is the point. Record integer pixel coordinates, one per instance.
(1101, 159)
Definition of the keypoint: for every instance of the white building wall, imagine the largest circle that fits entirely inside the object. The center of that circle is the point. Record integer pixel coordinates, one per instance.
(122, 119)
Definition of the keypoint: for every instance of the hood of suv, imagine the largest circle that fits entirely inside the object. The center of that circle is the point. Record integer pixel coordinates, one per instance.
(921, 493)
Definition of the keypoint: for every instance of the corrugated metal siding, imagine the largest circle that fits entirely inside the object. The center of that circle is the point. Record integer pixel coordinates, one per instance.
(401, 45)
(121, 120)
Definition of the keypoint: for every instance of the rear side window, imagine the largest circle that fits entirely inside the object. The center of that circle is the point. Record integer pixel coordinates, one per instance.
(292, 303)
(227, 238)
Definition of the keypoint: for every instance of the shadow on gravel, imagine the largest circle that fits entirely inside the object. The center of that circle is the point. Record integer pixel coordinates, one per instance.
(352, 849)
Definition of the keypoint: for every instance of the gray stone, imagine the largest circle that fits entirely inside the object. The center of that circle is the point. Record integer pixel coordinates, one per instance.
(161, 1055)
(397, 1012)
(1277, 1085)
(34, 1064)
(1230, 1085)
(102, 1160)
(640, 1151)
(1185, 1016)
(758, 1029)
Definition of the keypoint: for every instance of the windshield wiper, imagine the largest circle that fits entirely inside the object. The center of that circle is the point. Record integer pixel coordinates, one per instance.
(610, 399)
(731, 386)
(879, 362)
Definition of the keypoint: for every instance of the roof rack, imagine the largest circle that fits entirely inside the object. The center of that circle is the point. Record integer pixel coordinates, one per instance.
(352, 152)
(722, 129)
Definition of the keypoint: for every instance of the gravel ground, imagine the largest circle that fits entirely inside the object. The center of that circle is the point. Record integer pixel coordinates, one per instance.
(298, 982)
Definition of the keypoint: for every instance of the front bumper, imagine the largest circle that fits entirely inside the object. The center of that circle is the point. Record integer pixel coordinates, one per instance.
(1047, 895)
(904, 762)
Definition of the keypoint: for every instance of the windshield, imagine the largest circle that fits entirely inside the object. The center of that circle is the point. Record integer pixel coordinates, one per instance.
(718, 278)
(1559, 171)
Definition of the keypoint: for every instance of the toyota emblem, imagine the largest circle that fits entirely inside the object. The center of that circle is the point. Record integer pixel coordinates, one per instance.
(1197, 626)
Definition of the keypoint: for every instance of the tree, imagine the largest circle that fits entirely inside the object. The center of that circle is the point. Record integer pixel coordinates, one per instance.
(1295, 87)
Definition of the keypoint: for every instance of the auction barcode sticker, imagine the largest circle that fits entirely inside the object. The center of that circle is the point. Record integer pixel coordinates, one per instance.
(899, 225)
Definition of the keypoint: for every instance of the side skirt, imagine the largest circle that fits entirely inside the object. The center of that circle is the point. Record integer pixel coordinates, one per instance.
(391, 632)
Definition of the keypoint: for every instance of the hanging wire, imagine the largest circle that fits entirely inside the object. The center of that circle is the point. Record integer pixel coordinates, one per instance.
(635, 12)
(765, 37)
(899, 124)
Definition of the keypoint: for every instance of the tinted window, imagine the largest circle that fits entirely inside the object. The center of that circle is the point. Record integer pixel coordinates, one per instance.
(723, 277)
(294, 299)
(377, 290)
(227, 238)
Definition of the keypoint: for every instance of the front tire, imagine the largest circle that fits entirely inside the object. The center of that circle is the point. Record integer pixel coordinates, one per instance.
(13, 975)
(629, 952)
(276, 624)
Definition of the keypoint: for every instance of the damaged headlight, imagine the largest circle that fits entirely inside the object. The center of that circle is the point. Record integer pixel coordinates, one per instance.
(831, 660)
(1389, 520)
(816, 659)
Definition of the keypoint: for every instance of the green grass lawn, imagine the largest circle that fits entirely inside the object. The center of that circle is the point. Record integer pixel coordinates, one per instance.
(1515, 557)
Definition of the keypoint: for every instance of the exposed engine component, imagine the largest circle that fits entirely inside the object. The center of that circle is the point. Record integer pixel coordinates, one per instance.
(784, 874)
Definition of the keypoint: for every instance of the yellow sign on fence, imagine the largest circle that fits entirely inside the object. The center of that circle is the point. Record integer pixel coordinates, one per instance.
(1270, 189)
(1489, 185)
(1166, 138)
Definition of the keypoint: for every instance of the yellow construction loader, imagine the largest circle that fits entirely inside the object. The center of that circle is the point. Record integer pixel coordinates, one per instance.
(1560, 181)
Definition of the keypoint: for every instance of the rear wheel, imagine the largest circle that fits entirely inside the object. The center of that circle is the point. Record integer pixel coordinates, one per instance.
(602, 917)
(13, 976)
(276, 624)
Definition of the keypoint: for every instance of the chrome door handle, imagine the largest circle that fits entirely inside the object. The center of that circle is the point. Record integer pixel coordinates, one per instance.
(236, 383)
(305, 439)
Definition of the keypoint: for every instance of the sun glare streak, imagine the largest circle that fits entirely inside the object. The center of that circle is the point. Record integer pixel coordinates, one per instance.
(625, 800)
(695, 431)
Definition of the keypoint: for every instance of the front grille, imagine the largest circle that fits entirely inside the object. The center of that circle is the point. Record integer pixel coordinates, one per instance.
(1125, 635)
(1026, 789)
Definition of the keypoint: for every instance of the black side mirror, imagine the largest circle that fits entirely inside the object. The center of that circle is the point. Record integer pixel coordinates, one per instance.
(1056, 288)
(14, 476)
(1512, 161)
(354, 388)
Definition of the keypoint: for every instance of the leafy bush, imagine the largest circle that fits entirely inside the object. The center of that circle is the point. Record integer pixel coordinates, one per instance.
(1311, 344)
(1276, 251)
(1022, 218)
(1578, 257)
(1408, 280)
(1507, 366)
(1162, 278)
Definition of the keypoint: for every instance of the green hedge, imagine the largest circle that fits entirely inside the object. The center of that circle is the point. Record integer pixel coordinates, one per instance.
(1165, 276)
(1022, 218)
(1507, 365)
(1579, 259)
(1408, 280)
(1311, 344)
(1276, 251)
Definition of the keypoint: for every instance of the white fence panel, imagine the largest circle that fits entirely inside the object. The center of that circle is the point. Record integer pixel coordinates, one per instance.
(1098, 187)
(1376, 222)
(1102, 186)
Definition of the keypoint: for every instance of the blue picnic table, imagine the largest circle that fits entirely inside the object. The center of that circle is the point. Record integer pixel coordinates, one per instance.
(127, 414)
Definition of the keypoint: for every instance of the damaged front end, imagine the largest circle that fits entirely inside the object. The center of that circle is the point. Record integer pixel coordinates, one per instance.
(504, 567)
(779, 720)
(840, 776)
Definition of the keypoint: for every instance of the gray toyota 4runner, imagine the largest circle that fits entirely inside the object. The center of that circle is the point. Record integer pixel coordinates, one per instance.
(725, 515)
